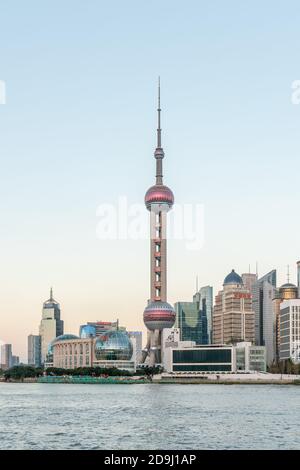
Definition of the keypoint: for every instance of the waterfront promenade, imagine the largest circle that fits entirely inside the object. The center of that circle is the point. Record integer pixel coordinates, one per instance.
(254, 378)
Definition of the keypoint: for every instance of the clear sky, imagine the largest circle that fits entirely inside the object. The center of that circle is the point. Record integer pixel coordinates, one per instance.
(78, 130)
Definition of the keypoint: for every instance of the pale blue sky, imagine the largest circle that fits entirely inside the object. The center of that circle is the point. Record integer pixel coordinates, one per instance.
(78, 130)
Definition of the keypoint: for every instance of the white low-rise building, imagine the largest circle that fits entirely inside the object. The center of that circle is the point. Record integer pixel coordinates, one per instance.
(186, 356)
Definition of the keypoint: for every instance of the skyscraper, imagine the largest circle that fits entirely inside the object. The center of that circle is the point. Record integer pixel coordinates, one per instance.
(158, 314)
(6, 356)
(290, 330)
(191, 322)
(233, 317)
(268, 329)
(262, 305)
(287, 291)
(249, 280)
(51, 325)
(34, 350)
(205, 298)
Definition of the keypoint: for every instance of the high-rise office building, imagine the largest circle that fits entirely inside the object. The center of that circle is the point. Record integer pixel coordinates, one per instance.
(188, 321)
(158, 314)
(287, 291)
(51, 325)
(269, 322)
(233, 317)
(249, 279)
(290, 330)
(6, 356)
(34, 350)
(205, 299)
(191, 322)
(260, 299)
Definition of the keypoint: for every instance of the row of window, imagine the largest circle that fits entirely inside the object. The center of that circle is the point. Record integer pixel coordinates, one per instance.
(202, 355)
(202, 367)
(74, 348)
(67, 361)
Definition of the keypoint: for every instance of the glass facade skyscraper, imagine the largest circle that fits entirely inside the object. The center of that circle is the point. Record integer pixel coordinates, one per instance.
(34, 350)
(205, 299)
(6, 356)
(192, 322)
(261, 301)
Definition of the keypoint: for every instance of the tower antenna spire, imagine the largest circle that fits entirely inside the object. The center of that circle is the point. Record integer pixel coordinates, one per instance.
(288, 273)
(159, 153)
(158, 118)
(51, 293)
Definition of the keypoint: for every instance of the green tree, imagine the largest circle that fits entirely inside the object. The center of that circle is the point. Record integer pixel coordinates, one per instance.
(21, 372)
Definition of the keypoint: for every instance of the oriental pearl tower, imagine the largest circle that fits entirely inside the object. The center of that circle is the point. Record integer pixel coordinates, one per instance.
(158, 314)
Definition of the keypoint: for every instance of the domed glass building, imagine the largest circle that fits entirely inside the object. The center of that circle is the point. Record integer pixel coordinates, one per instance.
(113, 346)
(65, 337)
(87, 331)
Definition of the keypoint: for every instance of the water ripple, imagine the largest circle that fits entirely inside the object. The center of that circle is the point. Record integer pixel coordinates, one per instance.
(57, 416)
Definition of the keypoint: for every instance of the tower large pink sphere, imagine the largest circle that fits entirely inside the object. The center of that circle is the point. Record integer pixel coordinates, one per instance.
(159, 194)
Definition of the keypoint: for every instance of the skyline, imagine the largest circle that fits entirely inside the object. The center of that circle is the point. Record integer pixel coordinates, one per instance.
(84, 98)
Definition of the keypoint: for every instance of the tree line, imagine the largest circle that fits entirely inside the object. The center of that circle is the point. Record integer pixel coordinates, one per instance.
(21, 372)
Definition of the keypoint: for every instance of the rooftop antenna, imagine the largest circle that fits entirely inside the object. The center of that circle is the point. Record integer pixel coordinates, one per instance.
(288, 273)
(51, 293)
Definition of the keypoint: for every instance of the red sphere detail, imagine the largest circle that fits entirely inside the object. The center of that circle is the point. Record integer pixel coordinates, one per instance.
(159, 194)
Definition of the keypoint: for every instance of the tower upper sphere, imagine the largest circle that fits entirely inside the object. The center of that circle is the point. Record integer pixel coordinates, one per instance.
(159, 194)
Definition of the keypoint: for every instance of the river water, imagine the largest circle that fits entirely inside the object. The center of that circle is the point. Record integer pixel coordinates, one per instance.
(171, 417)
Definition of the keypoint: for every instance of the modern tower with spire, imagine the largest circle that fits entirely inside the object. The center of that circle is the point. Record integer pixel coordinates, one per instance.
(159, 199)
(51, 325)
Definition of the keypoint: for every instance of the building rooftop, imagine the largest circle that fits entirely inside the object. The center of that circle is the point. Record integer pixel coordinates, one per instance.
(233, 278)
